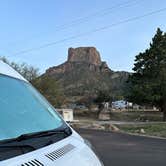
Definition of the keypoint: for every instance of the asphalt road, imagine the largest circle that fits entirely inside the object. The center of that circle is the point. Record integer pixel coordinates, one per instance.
(116, 149)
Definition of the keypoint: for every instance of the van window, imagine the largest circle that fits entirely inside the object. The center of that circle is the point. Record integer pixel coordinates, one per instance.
(23, 110)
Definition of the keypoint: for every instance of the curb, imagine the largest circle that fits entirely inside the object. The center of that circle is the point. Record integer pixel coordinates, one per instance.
(122, 132)
(143, 135)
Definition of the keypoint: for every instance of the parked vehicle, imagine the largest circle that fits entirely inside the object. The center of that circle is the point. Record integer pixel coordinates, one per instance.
(120, 104)
(32, 133)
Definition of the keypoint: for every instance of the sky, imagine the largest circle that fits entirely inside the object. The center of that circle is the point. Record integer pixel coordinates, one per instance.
(27, 25)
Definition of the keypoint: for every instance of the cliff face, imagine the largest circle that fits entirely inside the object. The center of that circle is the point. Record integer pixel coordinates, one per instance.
(85, 56)
(84, 73)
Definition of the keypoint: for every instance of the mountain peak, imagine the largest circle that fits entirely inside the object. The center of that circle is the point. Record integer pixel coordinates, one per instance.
(88, 55)
(84, 73)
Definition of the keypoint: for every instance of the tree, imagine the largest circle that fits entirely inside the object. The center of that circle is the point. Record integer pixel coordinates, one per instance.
(50, 89)
(103, 96)
(46, 85)
(27, 71)
(148, 82)
(87, 100)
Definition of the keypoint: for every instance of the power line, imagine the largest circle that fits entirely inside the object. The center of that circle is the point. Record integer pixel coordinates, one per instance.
(92, 31)
(87, 18)
(96, 14)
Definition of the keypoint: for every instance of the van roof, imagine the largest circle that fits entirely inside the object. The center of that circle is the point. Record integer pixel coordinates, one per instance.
(5, 69)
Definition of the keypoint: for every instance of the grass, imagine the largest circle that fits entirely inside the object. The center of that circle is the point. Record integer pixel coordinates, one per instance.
(142, 116)
(155, 128)
(158, 129)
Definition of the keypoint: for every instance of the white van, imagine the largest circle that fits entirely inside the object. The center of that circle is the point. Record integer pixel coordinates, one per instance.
(31, 131)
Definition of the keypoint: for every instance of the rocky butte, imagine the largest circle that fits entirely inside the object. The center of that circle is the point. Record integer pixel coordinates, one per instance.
(87, 56)
(84, 73)
(84, 54)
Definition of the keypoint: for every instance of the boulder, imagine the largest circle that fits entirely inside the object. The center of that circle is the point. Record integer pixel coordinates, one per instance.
(113, 128)
(142, 131)
(104, 115)
(98, 126)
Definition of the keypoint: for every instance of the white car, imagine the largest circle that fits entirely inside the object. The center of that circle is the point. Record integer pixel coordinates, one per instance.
(32, 133)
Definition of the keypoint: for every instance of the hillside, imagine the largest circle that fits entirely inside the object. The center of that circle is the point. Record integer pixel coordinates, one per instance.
(84, 73)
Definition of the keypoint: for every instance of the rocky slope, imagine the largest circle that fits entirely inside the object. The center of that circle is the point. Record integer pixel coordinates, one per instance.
(84, 73)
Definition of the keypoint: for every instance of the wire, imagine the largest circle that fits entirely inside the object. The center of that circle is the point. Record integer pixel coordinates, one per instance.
(87, 18)
(96, 14)
(89, 32)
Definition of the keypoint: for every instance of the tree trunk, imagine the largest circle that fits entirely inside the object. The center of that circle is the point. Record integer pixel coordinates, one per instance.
(164, 115)
(163, 109)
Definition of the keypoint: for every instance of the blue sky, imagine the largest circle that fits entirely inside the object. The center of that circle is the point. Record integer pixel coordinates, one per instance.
(27, 24)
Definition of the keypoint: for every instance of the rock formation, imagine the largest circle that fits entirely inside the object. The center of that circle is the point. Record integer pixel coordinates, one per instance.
(87, 56)
(84, 73)
(84, 54)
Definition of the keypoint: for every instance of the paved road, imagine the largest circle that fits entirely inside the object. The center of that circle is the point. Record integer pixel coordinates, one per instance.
(116, 149)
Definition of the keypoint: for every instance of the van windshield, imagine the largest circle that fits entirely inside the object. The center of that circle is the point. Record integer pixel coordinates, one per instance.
(23, 110)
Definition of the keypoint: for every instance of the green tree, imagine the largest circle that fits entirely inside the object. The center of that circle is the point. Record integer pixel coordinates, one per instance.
(103, 96)
(87, 100)
(148, 82)
(50, 89)
(46, 85)
(27, 71)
